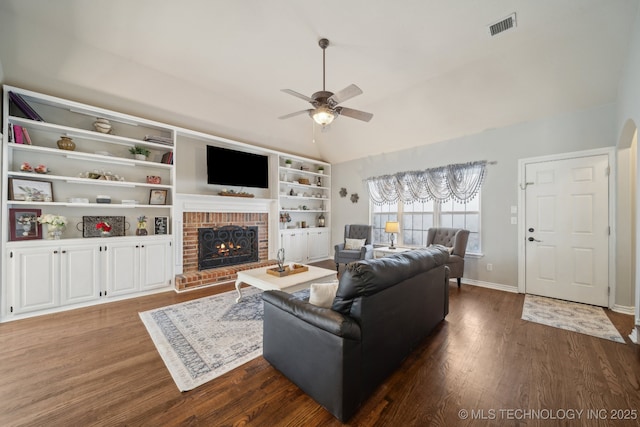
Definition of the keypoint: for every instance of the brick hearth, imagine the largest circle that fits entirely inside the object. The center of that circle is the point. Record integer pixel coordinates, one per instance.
(191, 277)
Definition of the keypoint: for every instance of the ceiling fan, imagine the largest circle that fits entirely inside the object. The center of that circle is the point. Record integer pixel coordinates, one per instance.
(325, 103)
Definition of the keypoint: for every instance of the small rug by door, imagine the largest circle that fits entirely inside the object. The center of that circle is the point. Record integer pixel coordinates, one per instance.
(582, 318)
(202, 339)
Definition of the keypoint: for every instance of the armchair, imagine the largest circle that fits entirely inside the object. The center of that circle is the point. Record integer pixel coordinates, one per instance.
(354, 231)
(456, 240)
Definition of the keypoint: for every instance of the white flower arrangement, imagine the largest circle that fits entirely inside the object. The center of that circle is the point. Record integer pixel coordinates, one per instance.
(55, 220)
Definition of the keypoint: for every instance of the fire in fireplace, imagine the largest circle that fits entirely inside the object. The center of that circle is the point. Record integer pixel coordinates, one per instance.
(228, 245)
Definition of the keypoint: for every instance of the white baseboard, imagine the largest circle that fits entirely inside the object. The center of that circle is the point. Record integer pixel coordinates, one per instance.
(624, 309)
(633, 336)
(490, 285)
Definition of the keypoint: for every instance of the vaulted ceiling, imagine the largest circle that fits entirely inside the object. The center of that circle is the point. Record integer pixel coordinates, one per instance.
(428, 68)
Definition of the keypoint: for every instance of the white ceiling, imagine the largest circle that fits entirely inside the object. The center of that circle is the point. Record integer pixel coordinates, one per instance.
(428, 68)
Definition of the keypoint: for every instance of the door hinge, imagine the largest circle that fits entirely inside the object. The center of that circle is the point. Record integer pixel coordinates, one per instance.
(609, 291)
(609, 230)
(11, 254)
(607, 170)
(11, 309)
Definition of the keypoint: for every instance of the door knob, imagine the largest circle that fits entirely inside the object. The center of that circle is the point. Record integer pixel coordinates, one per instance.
(531, 239)
(531, 230)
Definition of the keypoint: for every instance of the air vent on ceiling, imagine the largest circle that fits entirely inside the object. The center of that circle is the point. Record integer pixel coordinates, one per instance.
(503, 25)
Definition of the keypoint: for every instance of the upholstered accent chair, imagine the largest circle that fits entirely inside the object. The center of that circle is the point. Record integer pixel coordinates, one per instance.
(345, 253)
(456, 240)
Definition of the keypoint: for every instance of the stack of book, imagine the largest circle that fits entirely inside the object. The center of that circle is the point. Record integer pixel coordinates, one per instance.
(19, 134)
(159, 139)
(167, 158)
(19, 102)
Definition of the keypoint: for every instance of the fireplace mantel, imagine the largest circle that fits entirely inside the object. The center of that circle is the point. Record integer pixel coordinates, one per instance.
(198, 203)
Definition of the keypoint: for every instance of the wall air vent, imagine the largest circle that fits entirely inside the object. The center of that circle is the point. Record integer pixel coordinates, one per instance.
(503, 25)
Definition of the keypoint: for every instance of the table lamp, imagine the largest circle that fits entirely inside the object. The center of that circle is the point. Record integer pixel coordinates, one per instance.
(391, 227)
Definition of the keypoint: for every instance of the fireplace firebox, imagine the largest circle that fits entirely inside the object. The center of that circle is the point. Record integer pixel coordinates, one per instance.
(227, 245)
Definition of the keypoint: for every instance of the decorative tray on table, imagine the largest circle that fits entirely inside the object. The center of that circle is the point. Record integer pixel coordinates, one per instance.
(297, 268)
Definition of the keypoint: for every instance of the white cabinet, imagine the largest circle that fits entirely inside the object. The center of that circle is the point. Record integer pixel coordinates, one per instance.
(80, 268)
(34, 276)
(318, 245)
(62, 274)
(52, 276)
(305, 245)
(138, 266)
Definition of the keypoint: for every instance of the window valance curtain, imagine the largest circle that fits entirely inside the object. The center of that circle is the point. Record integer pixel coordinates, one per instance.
(460, 182)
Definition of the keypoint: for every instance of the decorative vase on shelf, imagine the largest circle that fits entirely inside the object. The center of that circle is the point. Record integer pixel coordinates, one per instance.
(140, 157)
(54, 232)
(26, 228)
(104, 233)
(66, 143)
(141, 231)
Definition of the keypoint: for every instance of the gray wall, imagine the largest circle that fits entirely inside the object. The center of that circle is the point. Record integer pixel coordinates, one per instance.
(576, 131)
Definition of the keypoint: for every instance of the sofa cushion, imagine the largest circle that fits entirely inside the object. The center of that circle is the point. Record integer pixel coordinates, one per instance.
(323, 294)
(371, 276)
(354, 244)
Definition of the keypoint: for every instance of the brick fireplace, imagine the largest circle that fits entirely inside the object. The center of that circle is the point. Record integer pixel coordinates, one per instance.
(215, 212)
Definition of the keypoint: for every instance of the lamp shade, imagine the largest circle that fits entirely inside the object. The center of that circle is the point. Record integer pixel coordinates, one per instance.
(392, 227)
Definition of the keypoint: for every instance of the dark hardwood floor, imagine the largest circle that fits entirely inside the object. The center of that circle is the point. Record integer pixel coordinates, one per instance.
(98, 366)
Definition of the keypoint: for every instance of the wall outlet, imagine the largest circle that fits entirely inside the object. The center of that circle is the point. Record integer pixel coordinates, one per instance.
(489, 267)
(514, 220)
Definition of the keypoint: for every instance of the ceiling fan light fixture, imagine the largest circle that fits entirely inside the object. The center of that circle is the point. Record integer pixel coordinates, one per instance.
(323, 115)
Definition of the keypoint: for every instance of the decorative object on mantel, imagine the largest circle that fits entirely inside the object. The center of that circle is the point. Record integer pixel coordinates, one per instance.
(139, 153)
(294, 269)
(343, 192)
(354, 198)
(141, 229)
(55, 225)
(66, 143)
(232, 193)
(89, 225)
(460, 182)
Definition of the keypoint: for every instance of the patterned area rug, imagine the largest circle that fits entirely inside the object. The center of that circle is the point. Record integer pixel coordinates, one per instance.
(202, 339)
(582, 318)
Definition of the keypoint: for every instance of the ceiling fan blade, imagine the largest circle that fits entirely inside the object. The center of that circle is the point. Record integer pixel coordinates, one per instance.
(344, 94)
(354, 114)
(297, 113)
(298, 95)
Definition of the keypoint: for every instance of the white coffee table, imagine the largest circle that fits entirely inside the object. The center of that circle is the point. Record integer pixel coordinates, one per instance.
(259, 278)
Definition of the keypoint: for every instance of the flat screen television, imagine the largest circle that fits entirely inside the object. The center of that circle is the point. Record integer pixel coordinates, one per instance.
(232, 167)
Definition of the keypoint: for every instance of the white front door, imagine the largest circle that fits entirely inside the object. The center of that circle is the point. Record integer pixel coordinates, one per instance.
(567, 229)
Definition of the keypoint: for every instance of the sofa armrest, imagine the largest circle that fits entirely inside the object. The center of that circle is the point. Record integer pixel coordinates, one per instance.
(323, 318)
(366, 252)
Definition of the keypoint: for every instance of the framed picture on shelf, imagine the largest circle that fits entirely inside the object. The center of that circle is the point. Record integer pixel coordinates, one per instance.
(161, 225)
(24, 225)
(158, 197)
(30, 190)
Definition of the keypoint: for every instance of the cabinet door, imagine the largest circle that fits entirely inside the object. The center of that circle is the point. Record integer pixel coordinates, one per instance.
(35, 284)
(155, 264)
(79, 273)
(318, 245)
(123, 268)
(291, 242)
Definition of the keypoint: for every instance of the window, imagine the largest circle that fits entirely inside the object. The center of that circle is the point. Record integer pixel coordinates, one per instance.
(416, 218)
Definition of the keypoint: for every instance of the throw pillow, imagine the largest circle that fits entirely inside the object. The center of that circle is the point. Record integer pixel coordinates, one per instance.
(323, 294)
(354, 244)
(448, 248)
